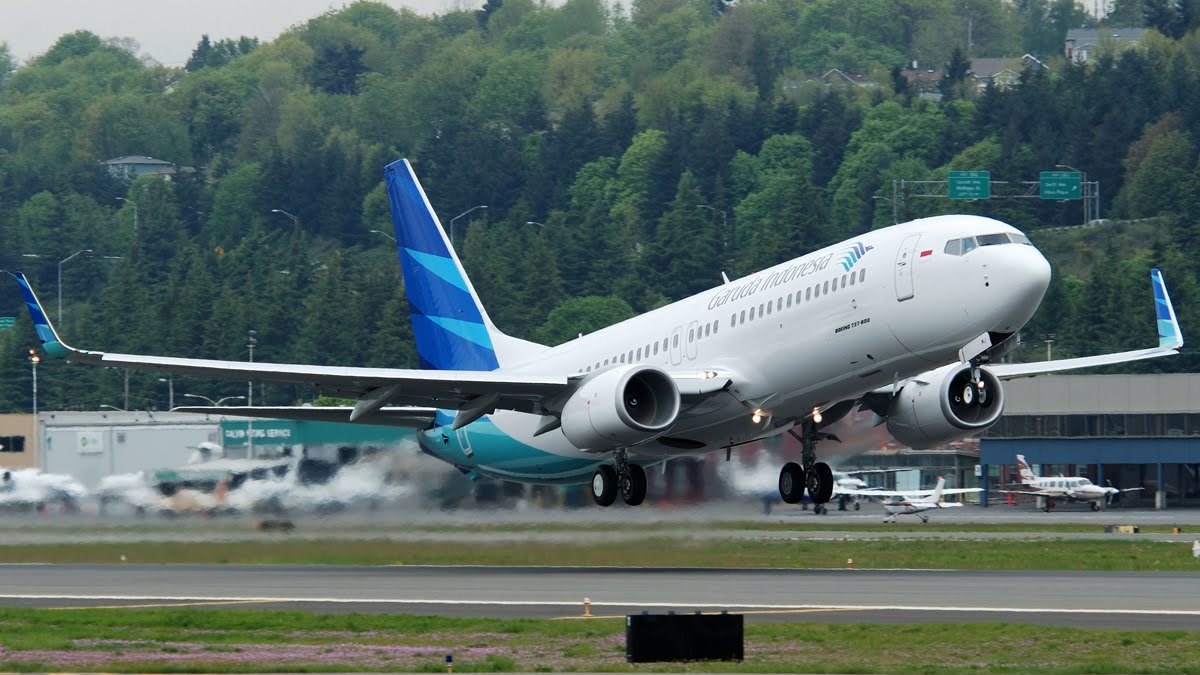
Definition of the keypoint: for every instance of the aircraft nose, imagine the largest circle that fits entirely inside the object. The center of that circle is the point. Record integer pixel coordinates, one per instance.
(1025, 278)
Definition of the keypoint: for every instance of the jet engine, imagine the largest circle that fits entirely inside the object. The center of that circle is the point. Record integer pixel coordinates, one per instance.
(620, 407)
(946, 404)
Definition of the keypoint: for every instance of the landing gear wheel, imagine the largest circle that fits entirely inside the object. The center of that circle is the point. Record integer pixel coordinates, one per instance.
(604, 485)
(857, 506)
(820, 510)
(1095, 506)
(791, 483)
(633, 488)
(820, 483)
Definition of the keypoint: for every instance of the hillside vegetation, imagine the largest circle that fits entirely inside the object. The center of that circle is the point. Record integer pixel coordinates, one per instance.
(626, 157)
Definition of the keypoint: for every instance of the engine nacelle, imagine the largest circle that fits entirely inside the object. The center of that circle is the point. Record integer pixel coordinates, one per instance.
(951, 406)
(620, 407)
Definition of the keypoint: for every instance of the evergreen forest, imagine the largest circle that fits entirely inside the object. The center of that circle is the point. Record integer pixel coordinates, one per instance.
(626, 156)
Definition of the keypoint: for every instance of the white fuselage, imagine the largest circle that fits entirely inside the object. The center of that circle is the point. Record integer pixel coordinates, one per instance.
(825, 327)
(1077, 488)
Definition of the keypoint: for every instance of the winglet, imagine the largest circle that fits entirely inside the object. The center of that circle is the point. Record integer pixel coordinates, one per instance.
(1169, 334)
(51, 343)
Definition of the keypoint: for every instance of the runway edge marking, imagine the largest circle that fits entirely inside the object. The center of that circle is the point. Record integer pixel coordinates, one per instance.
(595, 603)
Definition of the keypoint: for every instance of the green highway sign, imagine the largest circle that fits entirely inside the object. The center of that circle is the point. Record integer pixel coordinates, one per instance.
(1061, 185)
(7, 322)
(970, 185)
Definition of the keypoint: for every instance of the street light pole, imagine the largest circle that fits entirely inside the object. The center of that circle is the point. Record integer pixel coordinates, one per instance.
(34, 360)
(250, 342)
(135, 211)
(473, 208)
(60, 264)
(386, 235)
(1083, 187)
(216, 402)
(295, 220)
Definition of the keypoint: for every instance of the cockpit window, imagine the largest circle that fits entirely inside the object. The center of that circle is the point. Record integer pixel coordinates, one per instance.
(954, 247)
(968, 245)
(1020, 239)
(992, 239)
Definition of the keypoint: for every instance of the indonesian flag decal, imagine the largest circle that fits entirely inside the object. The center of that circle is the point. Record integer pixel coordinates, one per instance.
(927, 252)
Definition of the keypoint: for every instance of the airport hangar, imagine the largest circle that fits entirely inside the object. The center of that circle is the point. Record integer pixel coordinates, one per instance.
(1130, 430)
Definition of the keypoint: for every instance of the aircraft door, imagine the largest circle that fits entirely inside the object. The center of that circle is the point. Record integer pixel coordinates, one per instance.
(676, 346)
(905, 259)
(693, 339)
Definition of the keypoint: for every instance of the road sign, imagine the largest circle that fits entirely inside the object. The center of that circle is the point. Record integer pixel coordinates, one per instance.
(1061, 185)
(970, 185)
(7, 322)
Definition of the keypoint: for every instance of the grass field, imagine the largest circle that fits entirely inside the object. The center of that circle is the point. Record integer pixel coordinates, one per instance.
(1053, 554)
(192, 640)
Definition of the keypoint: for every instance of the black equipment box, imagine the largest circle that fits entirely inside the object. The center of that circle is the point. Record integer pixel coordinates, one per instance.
(683, 637)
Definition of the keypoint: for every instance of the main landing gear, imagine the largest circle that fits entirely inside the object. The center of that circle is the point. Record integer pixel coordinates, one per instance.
(628, 479)
(812, 475)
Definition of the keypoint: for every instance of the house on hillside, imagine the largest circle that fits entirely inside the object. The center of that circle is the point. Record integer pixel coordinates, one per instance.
(1083, 44)
(1002, 72)
(135, 166)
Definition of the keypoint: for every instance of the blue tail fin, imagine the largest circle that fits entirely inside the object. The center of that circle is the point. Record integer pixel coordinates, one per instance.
(51, 343)
(451, 327)
(1169, 334)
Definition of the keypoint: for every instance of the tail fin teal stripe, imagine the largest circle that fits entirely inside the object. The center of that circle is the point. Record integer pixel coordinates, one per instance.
(448, 322)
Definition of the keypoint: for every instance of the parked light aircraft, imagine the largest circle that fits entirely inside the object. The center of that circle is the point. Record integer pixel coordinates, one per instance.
(906, 321)
(1075, 489)
(33, 490)
(915, 502)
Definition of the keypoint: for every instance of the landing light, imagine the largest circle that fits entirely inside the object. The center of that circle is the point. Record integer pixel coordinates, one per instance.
(979, 384)
(758, 415)
(816, 415)
(707, 374)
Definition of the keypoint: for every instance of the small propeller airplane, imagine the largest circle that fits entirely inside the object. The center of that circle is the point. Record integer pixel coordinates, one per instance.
(914, 502)
(1074, 489)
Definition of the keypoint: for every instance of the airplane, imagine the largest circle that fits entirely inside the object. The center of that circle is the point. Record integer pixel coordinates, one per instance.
(273, 485)
(31, 490)
(915, 502)
(1075, 489)
(906, 321)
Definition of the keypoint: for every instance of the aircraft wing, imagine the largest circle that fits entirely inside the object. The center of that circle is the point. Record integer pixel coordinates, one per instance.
(408, 417)
(912, 494)
(373, 387)
(1170, 340)
(1027, 492)
(473, 393)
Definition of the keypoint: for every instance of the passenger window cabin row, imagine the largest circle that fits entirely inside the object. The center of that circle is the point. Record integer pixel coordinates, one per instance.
(806, 294)
(713, 327)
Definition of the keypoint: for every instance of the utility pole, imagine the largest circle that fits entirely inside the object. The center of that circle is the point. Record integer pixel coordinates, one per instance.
(250, 342)
(34, 359)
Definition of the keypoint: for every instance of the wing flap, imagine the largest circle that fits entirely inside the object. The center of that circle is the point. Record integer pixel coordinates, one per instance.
(409, 417)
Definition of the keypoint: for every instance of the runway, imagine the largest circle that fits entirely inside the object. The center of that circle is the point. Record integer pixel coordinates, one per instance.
(1086, 599)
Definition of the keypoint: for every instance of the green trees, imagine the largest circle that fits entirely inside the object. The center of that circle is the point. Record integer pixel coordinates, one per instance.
(629, 157)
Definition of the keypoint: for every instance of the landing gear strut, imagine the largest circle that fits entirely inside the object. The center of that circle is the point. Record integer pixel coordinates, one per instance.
(816, 476)
(628, 479)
